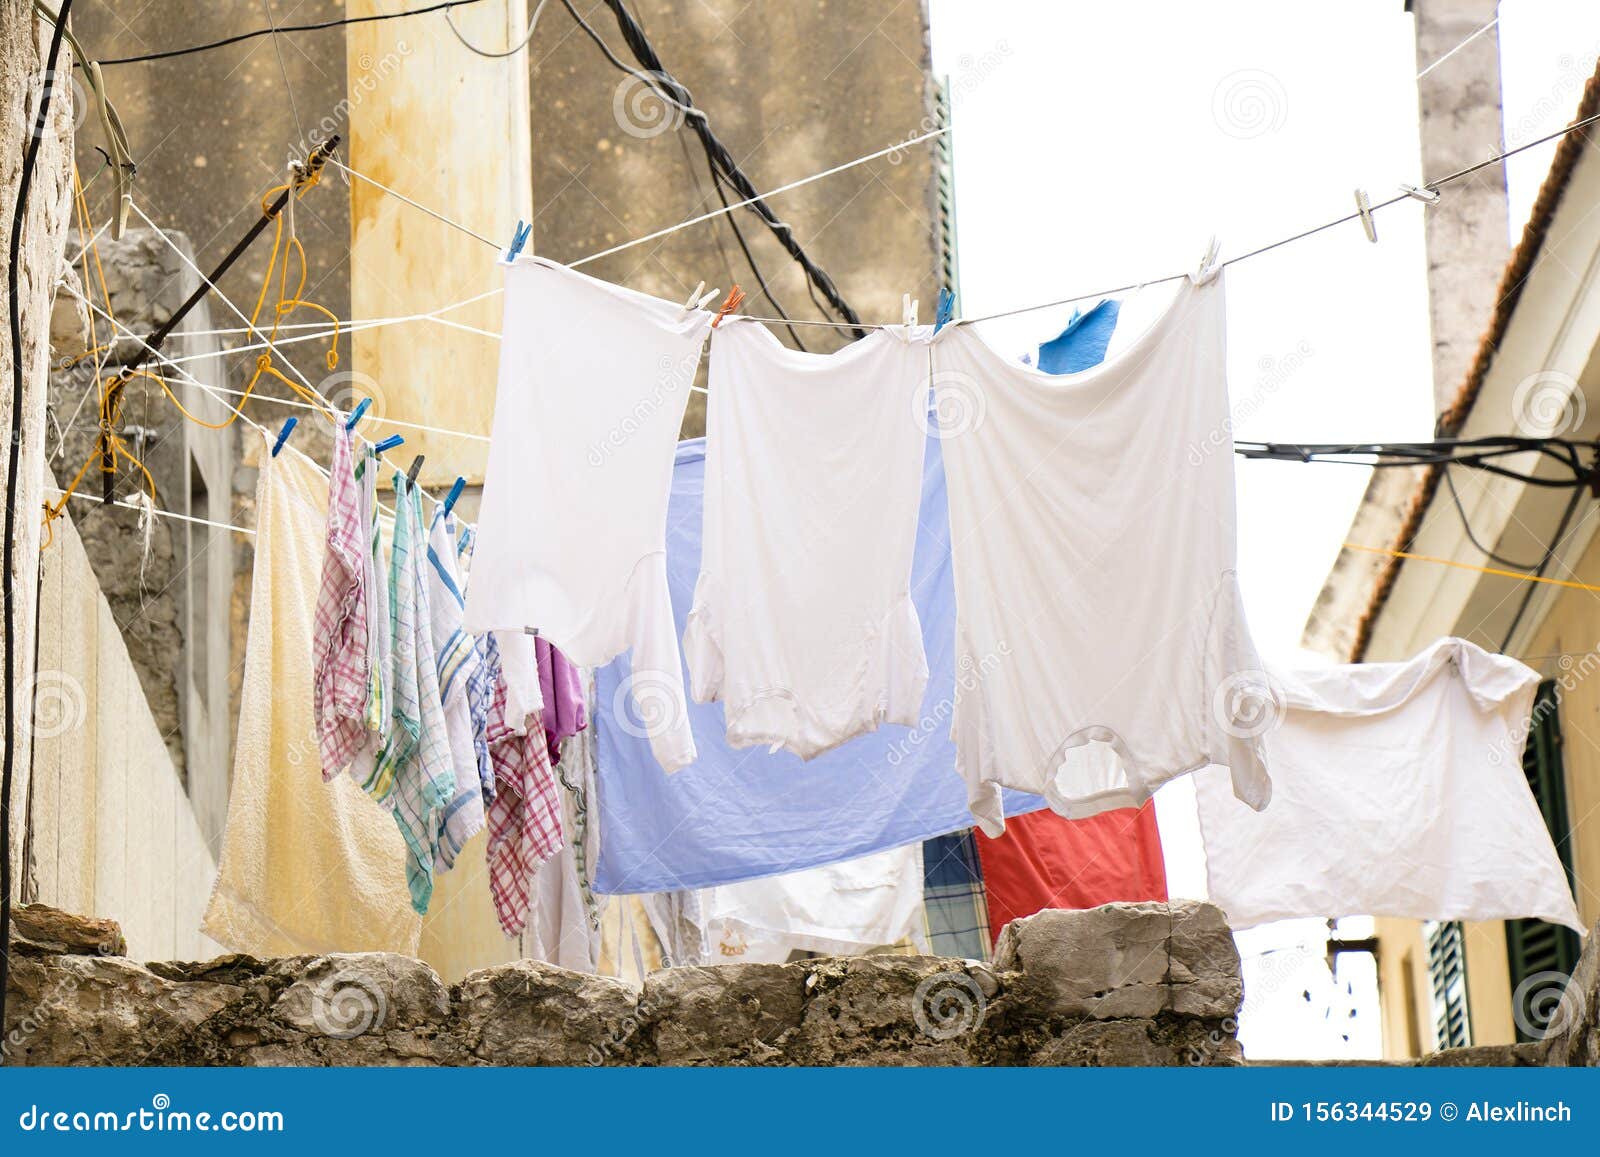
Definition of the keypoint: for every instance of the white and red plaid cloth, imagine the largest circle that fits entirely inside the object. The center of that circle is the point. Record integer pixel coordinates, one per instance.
(342, 666)
(525, 818)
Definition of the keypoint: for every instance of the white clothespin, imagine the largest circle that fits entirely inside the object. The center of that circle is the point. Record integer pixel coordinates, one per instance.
(1419, 193)
(693, 300)
(908, 310)
(1208, 264)
(295, 171)
(1364, 207)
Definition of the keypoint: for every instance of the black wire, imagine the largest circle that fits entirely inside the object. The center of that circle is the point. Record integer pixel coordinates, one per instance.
(1550, 553)
(259, 32)
(1466, 525)
(750, 260)
(19, 215)
(722, 161)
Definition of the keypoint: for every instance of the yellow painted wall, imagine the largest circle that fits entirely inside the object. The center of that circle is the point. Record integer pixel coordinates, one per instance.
(111, 829)
(450, 130)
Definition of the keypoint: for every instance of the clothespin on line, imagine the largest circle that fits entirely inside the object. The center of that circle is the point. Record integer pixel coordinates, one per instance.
(699, 298)
(1209, 265)
(358, 413)
(388, 444)
(519, 238)
(455, 493)
(946, 310)
(416, 468)
(1364, 207)
(908, 310)
(1421, 193)
(735, 299)
(283, 434)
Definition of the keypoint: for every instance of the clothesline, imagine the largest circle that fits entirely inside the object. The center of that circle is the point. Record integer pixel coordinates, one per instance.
(130, 504)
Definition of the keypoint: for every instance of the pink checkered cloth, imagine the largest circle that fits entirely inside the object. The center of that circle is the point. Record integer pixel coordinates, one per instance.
(524, 820)
(339, 641)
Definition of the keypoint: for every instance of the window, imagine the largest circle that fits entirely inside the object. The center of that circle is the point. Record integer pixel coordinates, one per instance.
(1447, 977)
(1532, 946)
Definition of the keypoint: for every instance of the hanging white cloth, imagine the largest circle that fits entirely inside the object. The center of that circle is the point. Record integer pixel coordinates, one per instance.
(802, 622)
(840, 910)
(1101, 643)
(1398, 790)
(593, 383)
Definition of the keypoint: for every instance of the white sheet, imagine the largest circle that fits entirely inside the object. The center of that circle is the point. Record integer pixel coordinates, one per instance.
(1398, 790)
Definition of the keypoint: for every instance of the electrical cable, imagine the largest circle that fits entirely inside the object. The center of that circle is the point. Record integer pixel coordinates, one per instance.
(533, 22)
(1466, 525)
(1538, 575)
(8, 610)
(317, 26)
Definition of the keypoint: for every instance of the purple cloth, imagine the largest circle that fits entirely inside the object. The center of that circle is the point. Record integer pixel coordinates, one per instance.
(564, 710)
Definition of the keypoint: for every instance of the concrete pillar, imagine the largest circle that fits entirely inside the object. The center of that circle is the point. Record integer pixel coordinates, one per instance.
(24, 41)
(448, 129)
(1459, 104)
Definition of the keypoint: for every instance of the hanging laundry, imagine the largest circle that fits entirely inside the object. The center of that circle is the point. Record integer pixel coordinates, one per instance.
(1094, 559)
(457, 663)
(803, 624)
(1398, 790)
(564, 917)
(955, 903)
(304, 867)
(525, 816)
(519, 671)
(593, 383)
(741, 814)
(375, 580)
(414, 775)
(1083, 343)
(561, 687)
(341, 680)
(1045, 861)
(486, 675)
(838, 910)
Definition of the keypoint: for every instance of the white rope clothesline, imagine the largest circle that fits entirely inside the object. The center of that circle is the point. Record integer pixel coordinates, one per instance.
(128, 504)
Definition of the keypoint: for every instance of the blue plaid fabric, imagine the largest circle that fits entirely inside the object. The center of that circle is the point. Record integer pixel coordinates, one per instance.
(955, 903)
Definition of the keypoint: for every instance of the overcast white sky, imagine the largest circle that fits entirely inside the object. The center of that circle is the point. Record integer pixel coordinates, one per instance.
(1098, 144)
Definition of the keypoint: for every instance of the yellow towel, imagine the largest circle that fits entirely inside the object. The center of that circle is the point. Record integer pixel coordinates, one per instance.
(307, 866)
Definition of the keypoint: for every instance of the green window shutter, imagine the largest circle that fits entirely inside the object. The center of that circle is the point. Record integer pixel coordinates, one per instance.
(1532, 946)
(945, 194)
(1447, 977)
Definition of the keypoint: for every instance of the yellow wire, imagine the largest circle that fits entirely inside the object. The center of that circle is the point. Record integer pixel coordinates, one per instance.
(1516, 574)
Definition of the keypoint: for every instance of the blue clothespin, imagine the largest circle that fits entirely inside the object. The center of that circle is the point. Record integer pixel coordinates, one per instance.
(519, 238)
(388, 444)
(455, 493)
(947, 309)
(283, 435)
(358, 413)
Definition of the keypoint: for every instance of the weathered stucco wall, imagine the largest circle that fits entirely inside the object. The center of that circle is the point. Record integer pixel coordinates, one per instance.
(111, 831)
(1149, 984)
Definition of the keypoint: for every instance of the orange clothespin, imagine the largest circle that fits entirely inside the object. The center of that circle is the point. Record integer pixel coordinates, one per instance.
(734, 300)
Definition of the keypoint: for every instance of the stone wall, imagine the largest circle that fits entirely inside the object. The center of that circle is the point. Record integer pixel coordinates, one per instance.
(1132, 984)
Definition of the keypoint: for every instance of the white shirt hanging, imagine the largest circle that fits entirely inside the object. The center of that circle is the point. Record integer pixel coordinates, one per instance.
(802, 622)
(593, 383)
(1102, 646)
(1398, 790)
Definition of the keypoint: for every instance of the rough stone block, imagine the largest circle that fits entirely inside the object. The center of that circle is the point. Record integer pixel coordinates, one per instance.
(529, 1013)
(723, 1014)
(38, 929)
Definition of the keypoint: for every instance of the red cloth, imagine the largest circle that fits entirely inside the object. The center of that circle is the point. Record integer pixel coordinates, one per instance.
(1046, 861)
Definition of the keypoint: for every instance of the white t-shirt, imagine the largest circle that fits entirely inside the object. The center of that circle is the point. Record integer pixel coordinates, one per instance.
(593, 383)
(802, 622)
(1102, 646)
(1398, 790)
